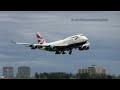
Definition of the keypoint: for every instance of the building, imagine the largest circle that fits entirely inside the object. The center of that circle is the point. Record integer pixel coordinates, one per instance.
(8, 72)
(2, 77)
(23, 72)
(93, 71)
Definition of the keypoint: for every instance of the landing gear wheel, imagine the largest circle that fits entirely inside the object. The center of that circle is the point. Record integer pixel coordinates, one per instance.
(70, 52)
(86, 48)
(57, 52)
(63, 52)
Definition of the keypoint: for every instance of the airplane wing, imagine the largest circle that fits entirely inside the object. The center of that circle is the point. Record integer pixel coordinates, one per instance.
(33, 46)
(46, 45)
(54, 47)
(21, 43)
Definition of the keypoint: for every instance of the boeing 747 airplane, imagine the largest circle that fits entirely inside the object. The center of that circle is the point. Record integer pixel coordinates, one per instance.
(62, 46)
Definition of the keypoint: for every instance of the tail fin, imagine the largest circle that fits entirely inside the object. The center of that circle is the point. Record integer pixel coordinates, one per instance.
(40, 38)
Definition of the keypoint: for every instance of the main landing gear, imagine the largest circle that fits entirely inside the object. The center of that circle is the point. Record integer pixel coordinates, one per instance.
(59, 52)
(63, 52)
(70, 52)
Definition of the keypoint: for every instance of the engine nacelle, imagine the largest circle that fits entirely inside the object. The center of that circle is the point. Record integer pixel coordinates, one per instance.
(52, 47)
(33, 46)
(85, 46)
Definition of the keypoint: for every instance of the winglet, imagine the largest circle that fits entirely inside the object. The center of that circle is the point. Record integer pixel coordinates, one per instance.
(13, 42)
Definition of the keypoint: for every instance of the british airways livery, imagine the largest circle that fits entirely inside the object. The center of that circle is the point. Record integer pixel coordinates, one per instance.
(62, 46)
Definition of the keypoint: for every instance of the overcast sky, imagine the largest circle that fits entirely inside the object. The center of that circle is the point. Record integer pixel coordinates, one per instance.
(21, 26)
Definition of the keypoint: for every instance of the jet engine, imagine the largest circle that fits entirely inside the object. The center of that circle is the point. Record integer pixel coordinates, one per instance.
(33, 46)
(84, 47)
(52, 47)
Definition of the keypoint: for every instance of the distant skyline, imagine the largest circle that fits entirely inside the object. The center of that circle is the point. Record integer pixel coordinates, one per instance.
(21, 26)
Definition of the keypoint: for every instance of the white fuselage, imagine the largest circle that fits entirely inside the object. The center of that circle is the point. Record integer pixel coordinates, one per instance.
(70, 40)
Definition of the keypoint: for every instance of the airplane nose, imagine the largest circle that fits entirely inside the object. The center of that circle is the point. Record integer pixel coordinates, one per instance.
(86, 39)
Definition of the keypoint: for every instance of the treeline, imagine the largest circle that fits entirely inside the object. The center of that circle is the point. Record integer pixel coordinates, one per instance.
(64, 75)
(53, 75)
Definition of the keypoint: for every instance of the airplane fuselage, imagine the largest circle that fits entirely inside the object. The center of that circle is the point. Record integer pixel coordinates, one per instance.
(70, 42)
(77, 41)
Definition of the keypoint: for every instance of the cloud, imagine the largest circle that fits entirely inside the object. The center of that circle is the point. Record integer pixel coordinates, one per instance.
(22, 26)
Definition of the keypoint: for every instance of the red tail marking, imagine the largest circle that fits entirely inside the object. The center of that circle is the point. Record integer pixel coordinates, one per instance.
(38, 36)
(76, 37)
(42, 42)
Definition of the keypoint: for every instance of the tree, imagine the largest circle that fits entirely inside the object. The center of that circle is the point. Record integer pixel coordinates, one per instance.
(83, 76)
(109, 77)
(36, 75)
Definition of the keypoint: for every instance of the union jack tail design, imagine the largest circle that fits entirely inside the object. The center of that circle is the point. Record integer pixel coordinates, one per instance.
(40, 38)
